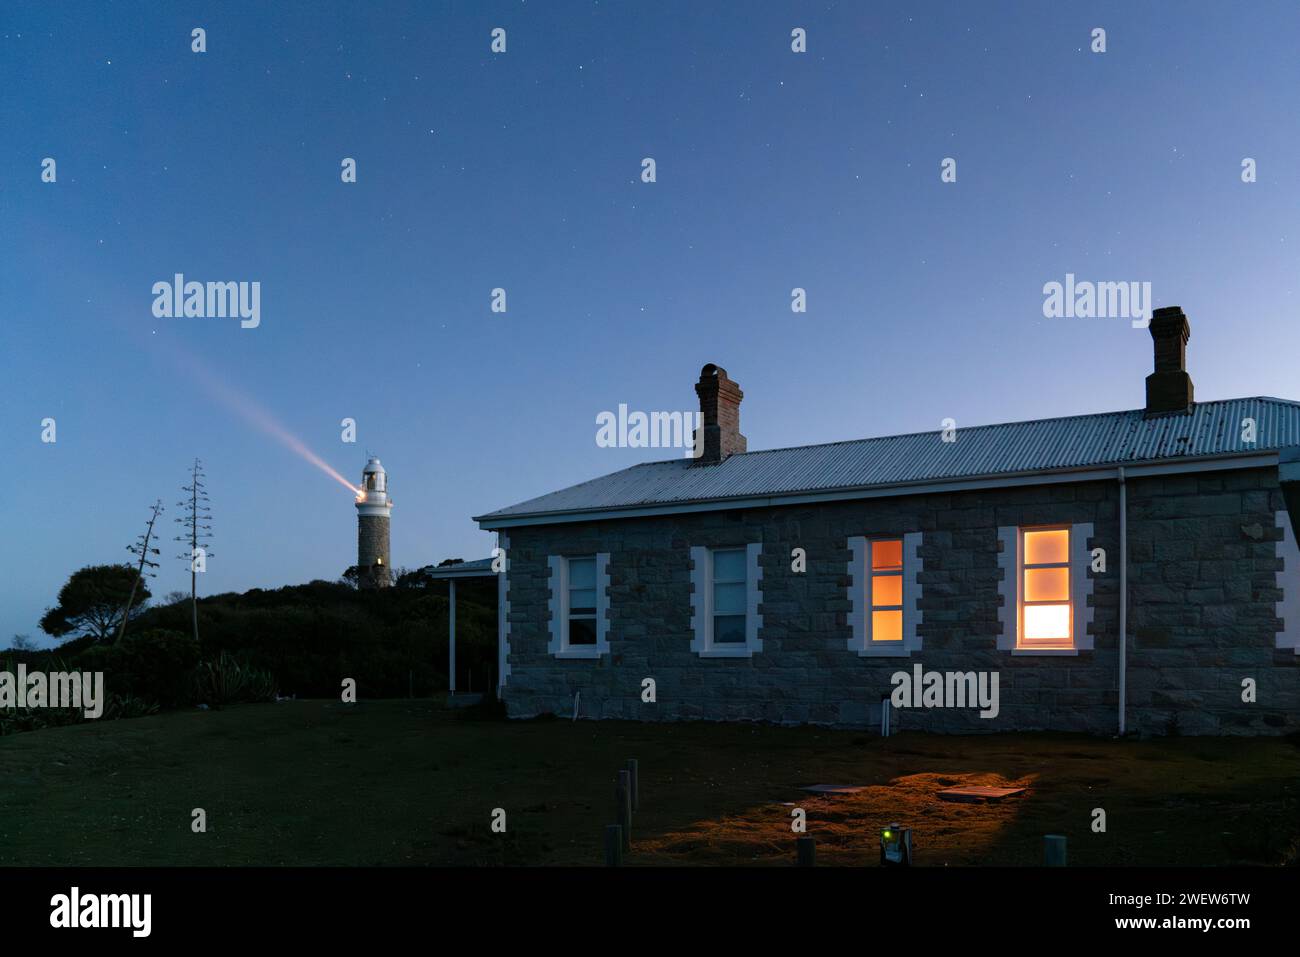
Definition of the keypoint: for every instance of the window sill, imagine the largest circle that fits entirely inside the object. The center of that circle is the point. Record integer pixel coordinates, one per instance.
(893, 650)
(1045, 652)
(740, 651)
(581, 653)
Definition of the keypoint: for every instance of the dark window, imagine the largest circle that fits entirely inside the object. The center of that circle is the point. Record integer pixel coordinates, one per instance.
(582, 601)
(729, 598)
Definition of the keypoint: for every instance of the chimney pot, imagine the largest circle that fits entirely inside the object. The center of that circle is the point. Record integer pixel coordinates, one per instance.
(719, 416)
(1169, 387)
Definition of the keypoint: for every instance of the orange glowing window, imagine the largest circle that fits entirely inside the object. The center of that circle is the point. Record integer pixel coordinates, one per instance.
(1045, 618)
(887, 555)
(886, 595)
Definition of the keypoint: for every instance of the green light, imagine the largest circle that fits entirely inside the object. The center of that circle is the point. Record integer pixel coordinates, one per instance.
(888, 835)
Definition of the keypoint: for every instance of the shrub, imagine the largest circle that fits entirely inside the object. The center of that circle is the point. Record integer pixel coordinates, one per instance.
(13, 720)
(225, 680)
(154, 665)
(128, 706)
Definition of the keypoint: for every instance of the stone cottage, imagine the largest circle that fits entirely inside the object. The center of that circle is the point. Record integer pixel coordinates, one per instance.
(1120, 572)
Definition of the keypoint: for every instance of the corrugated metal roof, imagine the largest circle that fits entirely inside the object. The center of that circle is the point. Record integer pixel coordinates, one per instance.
(479, 568)
(1076, 442)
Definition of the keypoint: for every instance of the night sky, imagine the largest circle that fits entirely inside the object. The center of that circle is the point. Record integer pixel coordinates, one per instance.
(522, 171)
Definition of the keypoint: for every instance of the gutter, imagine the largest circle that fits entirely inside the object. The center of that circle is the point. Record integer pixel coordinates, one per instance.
(494, 521)
(454, 571)
(1123, 600)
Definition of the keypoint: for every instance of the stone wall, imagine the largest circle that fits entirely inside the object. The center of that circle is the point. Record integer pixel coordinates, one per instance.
(1202, 617)
(372, 545)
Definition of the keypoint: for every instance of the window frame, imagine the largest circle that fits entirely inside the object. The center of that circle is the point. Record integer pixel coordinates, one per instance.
(714, 582)
(1023, 567)
(702, 602)
(861, 588)
(1287, 581)
(1010, 560)
(559, 607)
(570, 616)
(870, 574)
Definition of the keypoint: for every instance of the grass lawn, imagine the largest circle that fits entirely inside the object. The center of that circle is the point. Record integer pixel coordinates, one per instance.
(405, 782)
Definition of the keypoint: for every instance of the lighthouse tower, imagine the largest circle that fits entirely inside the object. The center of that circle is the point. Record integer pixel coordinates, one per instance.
(373, 510)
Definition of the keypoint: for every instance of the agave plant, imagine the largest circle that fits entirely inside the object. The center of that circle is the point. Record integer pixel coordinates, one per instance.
(226, 680)
(260, 685)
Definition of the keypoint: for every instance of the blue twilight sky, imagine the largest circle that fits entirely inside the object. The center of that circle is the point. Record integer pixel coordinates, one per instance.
(522, 171)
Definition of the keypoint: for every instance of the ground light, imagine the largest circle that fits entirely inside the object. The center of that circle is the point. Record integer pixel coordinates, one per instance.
(895, 846)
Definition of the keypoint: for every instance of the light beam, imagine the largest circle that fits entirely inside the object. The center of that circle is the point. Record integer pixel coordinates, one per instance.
(253, 413)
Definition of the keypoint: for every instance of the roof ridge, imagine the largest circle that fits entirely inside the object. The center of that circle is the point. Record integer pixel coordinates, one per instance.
(965, 428)
(1085, 441)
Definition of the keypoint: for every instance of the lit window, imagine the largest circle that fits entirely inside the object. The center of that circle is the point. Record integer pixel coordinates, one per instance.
(1045, 612)
(885, 595)
(729, 587)
(582, 601)
(887, 590)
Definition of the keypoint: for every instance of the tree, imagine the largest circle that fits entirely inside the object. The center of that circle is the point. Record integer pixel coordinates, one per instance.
(352, 576)
(143, 550)
(196, 533)
(22, 643)
(91, 602)
(412, 578)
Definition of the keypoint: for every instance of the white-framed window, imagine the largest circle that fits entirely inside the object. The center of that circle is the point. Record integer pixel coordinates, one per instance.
(1045, 620)
(725, 600)
(582, 603)
(579, 604)
(1287, 579)
(885, 589)
(729, 585)
(1045, 589)
(885, 593)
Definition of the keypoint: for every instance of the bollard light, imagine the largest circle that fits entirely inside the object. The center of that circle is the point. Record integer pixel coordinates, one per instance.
(895, 846)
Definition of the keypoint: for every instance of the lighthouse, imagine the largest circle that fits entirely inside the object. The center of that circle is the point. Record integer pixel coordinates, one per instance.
(374, 569)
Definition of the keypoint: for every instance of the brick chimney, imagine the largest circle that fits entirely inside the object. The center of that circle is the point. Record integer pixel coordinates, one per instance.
(1169, 388)
(719, 415)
